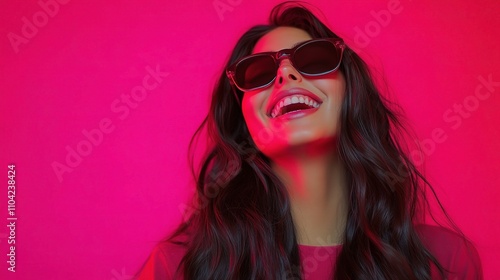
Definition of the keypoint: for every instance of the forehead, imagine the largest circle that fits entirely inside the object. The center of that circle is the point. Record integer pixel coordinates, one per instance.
(281, 38)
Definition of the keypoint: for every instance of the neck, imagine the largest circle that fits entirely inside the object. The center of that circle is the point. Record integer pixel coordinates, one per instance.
(316, 185)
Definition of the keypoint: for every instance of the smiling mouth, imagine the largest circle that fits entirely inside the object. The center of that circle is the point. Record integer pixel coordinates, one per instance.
(293, 103)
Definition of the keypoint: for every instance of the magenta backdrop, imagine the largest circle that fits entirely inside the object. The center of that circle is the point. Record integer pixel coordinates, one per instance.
(100, 98)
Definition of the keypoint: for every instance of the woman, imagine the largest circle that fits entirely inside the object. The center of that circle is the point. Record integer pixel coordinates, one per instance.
(306, 177)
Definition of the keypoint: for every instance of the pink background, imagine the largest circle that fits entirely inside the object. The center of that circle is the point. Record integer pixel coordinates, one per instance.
(67, 76)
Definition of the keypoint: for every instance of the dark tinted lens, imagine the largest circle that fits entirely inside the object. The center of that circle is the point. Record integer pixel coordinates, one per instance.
(255, 71)
(316, 58)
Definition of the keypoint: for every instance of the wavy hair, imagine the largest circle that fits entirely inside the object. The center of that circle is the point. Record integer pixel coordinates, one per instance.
(242, 227)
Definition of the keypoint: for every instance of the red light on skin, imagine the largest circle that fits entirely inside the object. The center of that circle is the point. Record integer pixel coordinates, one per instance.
(281, 135)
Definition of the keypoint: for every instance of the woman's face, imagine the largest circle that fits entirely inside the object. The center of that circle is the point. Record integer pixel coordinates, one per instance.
(304, 126)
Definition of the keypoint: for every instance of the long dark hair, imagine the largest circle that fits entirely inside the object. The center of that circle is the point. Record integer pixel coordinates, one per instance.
(242, 226)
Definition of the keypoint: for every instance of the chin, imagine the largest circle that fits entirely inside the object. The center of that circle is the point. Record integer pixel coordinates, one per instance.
(303, 144)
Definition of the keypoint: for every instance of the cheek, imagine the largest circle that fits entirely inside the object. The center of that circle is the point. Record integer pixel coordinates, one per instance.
(257, 123)
(334, 82)
(250, 108)
(334, 89)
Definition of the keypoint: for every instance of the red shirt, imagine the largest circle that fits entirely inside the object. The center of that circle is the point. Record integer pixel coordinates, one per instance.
(459, 259)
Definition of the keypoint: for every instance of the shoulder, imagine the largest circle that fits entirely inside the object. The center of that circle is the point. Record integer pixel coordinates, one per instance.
(454, 252)
(163, 261)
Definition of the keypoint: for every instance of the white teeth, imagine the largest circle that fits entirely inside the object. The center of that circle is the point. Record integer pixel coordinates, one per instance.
(293, 100)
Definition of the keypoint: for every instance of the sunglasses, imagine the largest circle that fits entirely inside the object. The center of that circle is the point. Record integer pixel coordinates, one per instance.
(310, 58)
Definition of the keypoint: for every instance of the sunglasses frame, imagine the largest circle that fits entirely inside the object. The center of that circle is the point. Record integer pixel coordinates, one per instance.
(280, 55)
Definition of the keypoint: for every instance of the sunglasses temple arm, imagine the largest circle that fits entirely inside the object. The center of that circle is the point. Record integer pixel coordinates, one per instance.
(235, 92)
(229, 75)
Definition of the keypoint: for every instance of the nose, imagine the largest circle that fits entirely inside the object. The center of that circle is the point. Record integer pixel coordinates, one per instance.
(287, 73)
